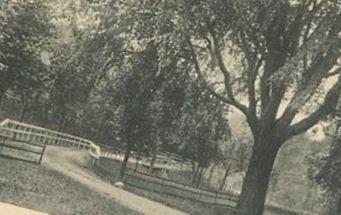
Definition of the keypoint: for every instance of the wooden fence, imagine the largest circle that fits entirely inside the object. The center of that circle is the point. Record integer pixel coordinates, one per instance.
(27, 138)
(228, 201)
(165, 186)
(33, 139)
(28, 133)
(21, 150)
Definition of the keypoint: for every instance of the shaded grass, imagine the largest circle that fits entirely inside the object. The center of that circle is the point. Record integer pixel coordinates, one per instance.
(110, 174)
(39, 188)
(111, 170)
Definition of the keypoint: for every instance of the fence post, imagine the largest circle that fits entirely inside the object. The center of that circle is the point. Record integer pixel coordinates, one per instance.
(3, 142)
(200, 194)
(94, 161)
(43, 151)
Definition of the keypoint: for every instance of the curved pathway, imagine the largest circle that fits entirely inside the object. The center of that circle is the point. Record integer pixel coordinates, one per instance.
(72, 162)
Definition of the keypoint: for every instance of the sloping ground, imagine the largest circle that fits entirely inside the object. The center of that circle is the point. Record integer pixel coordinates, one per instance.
(108, 169)
(73, 163)
(42, 189)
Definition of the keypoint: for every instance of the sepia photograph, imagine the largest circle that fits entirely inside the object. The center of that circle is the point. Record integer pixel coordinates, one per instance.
(170, 107)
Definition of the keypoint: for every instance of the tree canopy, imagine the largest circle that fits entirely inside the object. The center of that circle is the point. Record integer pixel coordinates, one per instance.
(165, 73)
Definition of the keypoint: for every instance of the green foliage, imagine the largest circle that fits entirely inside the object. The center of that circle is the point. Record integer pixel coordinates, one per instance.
(145, 72)
(24, 27)
(325, 167)
(202, 126)
(235, 154)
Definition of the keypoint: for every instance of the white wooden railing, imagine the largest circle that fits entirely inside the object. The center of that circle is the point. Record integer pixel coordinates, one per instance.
(31, 133)
(27, 132)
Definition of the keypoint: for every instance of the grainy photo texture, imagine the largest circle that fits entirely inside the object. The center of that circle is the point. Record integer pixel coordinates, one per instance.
(170, 107)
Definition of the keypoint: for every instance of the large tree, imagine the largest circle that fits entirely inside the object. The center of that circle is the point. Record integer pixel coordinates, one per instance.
(87, 47)
(24, 27)
(269, 59)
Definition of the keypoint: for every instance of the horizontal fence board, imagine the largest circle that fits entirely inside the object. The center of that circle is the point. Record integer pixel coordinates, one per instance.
(11, 139)
(20, 148)
(178, 192)
(181, 185)
(18, 158)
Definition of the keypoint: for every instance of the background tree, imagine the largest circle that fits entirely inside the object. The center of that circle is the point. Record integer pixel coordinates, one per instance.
(277, 62)
(201, 128)
(325, 169)
(135, 88)
(235, 156)
(270, 55)
(24, 27)
(82, 59)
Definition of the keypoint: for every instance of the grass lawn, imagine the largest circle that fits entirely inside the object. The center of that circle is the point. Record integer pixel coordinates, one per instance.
(188, 206)
(110, 173)
(36, 187)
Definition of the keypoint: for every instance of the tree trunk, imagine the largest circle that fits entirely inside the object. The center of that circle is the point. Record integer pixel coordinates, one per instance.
(23, 112)
(2, 95)
(223, 182)
(199, 177)
(338, 210)
(100, 128)
(211, 174)
(60, 127)
(125, 160)
(193, 167)
(152, 162)
(137, 161)
(253, 195)
(195, 171)
(335, 208)
(154, 155)
(0, 99)
(61, 123)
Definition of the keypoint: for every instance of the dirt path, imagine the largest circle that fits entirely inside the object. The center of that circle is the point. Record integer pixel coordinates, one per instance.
(15, 210)
(73, 163)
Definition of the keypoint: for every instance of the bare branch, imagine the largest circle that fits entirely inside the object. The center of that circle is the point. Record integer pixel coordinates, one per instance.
(222, 67)
(104, 69)
(251, 86)
(254, 65)
(202, 79)
(302, 96)
(328, 106)
(227, 78)
(335, 72)
(251, 118)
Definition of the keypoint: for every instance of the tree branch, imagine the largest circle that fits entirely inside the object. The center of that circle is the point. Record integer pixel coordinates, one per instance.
(227, 77)
(302, 96)
(254, 65)
(222, 67)
(201, 78)
(103, 70)
(251, 118)
(335, 72)
(329, 105)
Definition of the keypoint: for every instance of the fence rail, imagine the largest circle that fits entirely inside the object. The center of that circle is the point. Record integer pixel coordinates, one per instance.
(35, 134)
(21, 150)
(28, 132)
(180, 190)
(14, 132)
